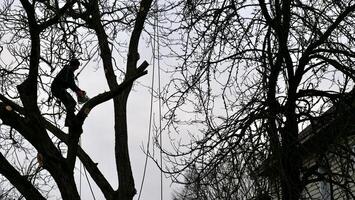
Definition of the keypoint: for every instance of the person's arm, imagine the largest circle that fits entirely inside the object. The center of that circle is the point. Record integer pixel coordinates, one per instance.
(72, 84)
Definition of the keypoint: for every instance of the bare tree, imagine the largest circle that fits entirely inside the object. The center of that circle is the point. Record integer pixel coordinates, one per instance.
(39, 37)
(252, 76)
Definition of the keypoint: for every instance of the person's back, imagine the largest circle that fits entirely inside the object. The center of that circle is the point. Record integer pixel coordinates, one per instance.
(65, 79)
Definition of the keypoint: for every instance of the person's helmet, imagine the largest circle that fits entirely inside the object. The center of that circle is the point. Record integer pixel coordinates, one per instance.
(74, 62)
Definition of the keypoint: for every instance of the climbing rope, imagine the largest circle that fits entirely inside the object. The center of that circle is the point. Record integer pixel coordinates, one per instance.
(80, 167)
(86, 176)
(156, 55)
(87, 179)
(159, 102)
(150, 124)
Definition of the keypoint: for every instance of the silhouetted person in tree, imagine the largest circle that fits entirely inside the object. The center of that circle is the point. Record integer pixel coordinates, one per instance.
(63, 81)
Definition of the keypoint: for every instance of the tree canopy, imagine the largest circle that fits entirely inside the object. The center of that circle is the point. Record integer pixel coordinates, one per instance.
(252, 75)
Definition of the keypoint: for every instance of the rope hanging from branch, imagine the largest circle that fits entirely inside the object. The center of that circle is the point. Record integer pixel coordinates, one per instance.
(156, 64)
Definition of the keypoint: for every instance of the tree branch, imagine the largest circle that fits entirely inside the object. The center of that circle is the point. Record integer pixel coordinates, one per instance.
(82, 114)
(22, 184)
(75, 132)
(58, 15)
(88, 163)
(133, 55)
(306, 55)
(313, 93)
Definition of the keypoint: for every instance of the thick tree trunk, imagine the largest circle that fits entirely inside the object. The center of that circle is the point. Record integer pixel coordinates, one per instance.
(126, 189)
(67, 186)
(291, 164)
(62, 174)
(291, 158)
(126, 182)
(291, 176)
(125, 178)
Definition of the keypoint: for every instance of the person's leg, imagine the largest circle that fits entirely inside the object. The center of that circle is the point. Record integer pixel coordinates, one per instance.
(69, 104)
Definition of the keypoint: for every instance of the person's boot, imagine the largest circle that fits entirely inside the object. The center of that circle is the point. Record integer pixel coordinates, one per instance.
(69, 119)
